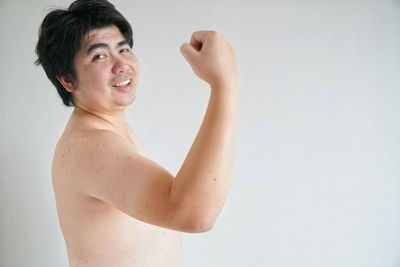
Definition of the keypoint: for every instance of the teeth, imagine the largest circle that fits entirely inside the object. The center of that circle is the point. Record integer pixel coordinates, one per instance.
(122, 83)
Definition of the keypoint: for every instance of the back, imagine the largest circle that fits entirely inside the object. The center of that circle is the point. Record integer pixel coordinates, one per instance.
(96, 233)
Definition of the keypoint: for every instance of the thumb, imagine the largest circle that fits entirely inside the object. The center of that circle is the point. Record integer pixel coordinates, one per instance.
(189, 52)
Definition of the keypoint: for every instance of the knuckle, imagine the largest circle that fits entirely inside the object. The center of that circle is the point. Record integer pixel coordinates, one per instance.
(213, 33)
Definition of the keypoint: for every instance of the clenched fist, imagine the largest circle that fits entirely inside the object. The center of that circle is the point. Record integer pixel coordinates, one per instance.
(212, 59)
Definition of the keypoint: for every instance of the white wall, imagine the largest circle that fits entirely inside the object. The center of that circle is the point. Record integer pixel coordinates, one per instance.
(317, 170)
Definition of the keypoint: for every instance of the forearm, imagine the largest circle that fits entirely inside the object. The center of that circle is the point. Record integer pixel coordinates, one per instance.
(201, 185)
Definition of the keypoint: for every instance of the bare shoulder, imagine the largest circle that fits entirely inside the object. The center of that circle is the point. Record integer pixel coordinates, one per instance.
(76, 149)
(71, 152)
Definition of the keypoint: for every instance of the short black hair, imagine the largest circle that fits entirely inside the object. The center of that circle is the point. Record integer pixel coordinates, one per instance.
(62, 33)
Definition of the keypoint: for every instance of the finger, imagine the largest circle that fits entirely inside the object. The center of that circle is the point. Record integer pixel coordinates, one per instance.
(197, 40)
(189, 52)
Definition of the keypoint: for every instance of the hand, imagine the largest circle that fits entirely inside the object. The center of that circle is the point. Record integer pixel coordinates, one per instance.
(211, 58)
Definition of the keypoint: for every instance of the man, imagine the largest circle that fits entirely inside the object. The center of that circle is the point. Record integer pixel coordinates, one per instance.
(115, 205)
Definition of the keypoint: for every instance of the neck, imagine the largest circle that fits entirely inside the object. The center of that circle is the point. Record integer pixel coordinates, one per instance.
(114, 119)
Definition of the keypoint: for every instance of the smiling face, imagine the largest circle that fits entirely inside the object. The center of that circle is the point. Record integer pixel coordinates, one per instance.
(107, 72)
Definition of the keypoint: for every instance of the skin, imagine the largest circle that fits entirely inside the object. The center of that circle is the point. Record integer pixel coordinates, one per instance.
(96, 71)
(115, 205)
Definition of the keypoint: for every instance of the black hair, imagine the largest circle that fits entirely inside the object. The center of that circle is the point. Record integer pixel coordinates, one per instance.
(62, 33)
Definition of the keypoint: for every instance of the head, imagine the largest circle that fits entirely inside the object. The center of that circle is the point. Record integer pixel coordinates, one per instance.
(67, 46)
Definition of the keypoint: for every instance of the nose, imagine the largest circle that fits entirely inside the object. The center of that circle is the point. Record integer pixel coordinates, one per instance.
(120, 66)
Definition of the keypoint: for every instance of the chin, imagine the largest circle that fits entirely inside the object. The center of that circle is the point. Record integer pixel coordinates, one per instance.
(126, 101)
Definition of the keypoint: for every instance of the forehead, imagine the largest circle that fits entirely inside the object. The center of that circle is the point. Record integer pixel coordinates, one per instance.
(105, 35)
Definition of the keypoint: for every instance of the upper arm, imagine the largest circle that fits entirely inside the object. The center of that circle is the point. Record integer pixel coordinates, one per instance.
(113, 171)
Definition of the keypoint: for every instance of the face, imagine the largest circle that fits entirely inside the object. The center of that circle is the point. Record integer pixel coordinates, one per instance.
(107, 71)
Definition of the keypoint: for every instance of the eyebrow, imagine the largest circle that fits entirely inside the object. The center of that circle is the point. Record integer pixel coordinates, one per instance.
(104, 45)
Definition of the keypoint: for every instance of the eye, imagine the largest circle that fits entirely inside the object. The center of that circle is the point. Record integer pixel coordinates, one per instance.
(99, 57)
(125, 50)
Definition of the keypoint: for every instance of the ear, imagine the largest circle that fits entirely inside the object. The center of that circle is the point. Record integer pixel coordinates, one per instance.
(67, 83)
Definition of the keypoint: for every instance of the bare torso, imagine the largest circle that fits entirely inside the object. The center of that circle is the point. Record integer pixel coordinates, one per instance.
(97, 234)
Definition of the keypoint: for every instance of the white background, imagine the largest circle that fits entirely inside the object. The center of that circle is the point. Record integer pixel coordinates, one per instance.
(317, 167)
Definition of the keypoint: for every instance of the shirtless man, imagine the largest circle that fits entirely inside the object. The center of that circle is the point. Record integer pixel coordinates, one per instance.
(117, 207)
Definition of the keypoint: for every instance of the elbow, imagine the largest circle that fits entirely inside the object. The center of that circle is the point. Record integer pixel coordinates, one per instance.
(193, 219)
(201, 224)
(205, 228)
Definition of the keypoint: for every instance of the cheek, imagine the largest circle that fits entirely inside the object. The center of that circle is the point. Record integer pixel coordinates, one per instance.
(95, 77)
(135, 64)
(137, 69)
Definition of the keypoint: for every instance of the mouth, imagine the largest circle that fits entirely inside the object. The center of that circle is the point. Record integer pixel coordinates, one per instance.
(123, 83)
